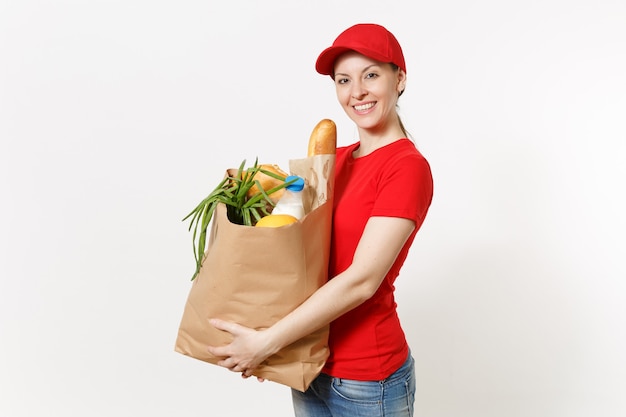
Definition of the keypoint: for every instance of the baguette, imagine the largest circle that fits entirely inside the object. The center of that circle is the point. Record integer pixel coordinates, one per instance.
(323, 140)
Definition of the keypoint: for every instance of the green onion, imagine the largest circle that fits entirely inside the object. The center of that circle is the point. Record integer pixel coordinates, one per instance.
(231, 192)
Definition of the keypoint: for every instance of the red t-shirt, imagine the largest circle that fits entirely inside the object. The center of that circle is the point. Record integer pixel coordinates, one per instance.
(368, 342)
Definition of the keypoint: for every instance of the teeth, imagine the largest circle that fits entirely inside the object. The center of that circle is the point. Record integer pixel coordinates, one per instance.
(364, 106)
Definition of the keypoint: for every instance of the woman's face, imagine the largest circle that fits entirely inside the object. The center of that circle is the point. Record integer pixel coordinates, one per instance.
(368, 91)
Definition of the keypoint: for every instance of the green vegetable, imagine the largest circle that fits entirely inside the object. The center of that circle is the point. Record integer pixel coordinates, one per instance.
(240, 209)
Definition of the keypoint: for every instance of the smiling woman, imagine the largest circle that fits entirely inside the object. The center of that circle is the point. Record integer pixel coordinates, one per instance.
(383, 190)
(375, 45)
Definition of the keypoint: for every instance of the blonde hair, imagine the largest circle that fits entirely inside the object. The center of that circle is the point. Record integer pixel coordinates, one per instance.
(406, 132)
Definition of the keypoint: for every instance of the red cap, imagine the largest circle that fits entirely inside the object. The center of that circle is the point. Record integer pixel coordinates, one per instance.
(371, 40)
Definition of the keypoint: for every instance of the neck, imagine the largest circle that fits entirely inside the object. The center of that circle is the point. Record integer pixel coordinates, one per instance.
(370, 142)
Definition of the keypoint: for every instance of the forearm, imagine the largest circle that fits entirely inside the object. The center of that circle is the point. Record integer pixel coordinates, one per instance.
(335, 298)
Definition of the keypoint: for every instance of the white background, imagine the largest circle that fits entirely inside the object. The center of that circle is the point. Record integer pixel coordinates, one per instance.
(117, 117)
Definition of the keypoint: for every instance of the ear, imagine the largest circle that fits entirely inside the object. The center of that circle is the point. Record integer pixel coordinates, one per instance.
(401, 81)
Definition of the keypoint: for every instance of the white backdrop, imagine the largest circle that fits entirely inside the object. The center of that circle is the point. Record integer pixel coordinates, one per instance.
(117, 117)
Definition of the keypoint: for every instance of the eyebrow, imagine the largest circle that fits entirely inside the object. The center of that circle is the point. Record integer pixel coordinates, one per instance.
(364, 70)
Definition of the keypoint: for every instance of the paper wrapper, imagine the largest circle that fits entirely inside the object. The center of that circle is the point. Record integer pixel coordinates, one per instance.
(254, 276)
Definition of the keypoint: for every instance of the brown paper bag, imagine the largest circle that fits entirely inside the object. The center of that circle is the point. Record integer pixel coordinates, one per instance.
(255, 276)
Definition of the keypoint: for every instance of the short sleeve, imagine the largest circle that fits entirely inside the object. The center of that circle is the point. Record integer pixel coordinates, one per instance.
(405, 189)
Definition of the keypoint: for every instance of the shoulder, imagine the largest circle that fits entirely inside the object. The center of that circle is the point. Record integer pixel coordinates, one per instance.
(403, 155)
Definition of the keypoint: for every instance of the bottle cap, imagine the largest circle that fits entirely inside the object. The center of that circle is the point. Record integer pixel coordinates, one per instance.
(297, 185)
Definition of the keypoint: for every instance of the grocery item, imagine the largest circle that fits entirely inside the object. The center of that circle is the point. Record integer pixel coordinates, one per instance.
(266, 181)
(323, 139)
(291, 201)
(276, 220)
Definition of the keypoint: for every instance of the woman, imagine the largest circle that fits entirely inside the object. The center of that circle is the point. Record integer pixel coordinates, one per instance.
(383, 188)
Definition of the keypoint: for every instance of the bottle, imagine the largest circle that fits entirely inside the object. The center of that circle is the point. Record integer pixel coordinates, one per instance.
(291, 201)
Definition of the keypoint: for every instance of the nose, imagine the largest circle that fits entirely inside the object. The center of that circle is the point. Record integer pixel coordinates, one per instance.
(358, 92)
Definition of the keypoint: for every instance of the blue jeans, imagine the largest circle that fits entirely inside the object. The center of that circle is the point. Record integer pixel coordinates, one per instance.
(337, 397)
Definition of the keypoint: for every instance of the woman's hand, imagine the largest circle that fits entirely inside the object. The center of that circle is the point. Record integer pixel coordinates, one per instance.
(248, 349)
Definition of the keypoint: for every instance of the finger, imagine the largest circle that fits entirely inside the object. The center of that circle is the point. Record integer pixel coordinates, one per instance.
(218, 351)
(248, 373)
(224, 325)
(231, 365)
(240, 368)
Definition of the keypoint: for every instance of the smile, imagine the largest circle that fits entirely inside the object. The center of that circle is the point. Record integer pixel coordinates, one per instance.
(363, 107)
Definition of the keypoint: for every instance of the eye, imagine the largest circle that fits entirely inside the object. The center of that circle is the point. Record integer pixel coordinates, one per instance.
(371, 75)
(341, 80)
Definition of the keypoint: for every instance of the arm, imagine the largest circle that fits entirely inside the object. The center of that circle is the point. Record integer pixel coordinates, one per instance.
(382, 240)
